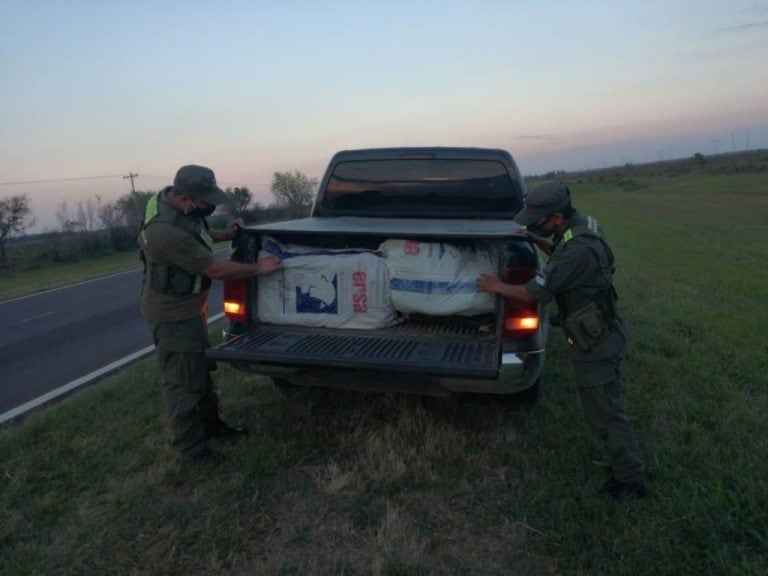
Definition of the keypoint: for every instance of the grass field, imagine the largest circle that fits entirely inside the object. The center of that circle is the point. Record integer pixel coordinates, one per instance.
(346, 483)
(15, 283)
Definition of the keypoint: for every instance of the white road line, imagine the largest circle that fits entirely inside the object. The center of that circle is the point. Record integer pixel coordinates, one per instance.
(83, 380)
(61, 390)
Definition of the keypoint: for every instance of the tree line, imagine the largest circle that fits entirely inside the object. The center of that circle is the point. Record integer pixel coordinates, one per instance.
(93, 226)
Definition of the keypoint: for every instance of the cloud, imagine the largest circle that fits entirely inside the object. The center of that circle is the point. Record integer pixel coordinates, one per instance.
(748, 26)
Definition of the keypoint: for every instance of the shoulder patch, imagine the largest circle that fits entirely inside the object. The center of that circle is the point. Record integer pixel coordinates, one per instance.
(592, 225)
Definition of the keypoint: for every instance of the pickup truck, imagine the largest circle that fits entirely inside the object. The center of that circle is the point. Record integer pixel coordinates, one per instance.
(456, 196)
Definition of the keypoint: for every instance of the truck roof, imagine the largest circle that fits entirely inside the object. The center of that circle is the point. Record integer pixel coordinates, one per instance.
(446, 152)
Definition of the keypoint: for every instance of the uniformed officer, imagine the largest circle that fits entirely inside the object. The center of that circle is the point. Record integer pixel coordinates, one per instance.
(579, 277)
(177, 248)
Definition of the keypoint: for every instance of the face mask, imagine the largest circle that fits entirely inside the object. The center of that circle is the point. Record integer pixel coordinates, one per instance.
(540, 231)
(201, 212)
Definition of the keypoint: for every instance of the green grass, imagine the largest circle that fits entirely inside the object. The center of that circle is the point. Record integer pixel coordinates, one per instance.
(346, 483)
(14, 283)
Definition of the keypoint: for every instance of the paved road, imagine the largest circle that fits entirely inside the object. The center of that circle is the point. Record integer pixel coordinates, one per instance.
(50, 339)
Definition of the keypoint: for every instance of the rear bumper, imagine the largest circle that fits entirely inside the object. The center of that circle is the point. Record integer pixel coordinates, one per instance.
(515, 371)
(518, 372)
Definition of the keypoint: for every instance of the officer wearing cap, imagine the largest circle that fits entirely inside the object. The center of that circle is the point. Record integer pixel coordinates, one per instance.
(177, 249)
(579, 277)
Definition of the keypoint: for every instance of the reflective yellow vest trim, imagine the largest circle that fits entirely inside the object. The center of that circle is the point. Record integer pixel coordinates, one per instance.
(591, 226)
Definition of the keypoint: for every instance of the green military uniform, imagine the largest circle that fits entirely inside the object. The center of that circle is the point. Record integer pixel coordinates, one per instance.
(176, 248)
(578, 273)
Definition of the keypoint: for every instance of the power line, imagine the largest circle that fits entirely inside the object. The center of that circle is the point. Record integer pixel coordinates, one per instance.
(263, 184)
(257, 186)
(52, 180)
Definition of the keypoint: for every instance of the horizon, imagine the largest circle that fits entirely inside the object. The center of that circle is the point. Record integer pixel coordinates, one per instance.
(266, 204)
(98, 91)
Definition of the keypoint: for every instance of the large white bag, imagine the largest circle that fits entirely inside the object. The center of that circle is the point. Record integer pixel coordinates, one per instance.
(328, 288)
(439, 279)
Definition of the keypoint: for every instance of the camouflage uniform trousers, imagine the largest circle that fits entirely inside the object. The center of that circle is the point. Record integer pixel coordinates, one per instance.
(599, 385)
(190, 402)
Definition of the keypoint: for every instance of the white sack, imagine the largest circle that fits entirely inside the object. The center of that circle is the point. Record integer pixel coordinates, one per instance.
(439, 279)
(328, 288)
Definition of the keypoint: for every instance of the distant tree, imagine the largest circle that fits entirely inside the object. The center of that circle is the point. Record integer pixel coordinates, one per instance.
(131, 207)
(86, 213)
(108, 214)
(255, 213)
(81, 219)
(67, 221)
(699, 158)
(112, 219)
(293, 191)
(15, 217)
(239, 198)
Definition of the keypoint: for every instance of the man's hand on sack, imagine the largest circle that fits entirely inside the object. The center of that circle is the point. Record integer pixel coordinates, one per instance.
(268, 264)
(490, 283)
(493, 284)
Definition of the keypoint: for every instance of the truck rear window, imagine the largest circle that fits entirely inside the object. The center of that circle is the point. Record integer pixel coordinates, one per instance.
(422, 187)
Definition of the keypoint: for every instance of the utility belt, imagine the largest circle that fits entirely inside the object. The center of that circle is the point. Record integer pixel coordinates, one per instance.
(590, 325)
(170, 279)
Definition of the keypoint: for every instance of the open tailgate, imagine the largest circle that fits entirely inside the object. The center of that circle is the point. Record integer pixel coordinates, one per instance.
(444, 349)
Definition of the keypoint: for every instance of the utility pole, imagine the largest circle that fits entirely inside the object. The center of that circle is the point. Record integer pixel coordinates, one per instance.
(131, 175)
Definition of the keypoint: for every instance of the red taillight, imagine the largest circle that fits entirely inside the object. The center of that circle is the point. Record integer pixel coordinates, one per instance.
(519, 320)
(522, 322)
(235, 299)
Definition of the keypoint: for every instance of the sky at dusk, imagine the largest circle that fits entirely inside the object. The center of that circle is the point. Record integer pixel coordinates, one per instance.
(104, 88)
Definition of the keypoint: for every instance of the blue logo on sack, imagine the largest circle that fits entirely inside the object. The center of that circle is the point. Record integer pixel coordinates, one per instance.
(320, 299)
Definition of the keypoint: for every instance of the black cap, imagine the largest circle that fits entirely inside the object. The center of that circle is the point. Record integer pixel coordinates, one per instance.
(198, 182)
(542, 201)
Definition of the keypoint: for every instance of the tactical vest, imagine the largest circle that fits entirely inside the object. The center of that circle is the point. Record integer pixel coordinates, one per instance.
(169, 278)
(605, 298)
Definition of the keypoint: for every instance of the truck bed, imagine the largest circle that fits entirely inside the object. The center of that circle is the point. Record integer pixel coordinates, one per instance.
(451, 346)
